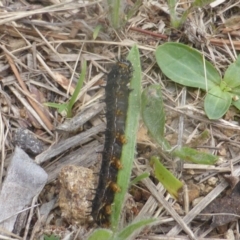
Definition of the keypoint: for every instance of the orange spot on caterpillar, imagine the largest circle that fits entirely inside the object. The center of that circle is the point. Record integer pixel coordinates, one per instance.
(117, 163)
(118, 112)
(122, 139)
(108, 209)
(114, 187)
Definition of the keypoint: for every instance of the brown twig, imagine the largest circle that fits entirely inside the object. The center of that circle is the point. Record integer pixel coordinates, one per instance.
(222, 42)
(146, 32)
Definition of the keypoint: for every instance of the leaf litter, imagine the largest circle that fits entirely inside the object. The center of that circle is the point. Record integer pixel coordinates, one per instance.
(42, 47)
(227, 207)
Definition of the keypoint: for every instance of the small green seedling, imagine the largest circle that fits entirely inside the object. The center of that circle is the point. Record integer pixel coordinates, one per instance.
(177, 21)
(117, 12)
(67, 107)
(187, 66)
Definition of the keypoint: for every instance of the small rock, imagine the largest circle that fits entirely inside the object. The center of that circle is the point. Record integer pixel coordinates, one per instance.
(26, 140)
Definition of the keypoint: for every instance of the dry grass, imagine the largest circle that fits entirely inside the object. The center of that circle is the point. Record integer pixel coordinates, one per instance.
(42, 48)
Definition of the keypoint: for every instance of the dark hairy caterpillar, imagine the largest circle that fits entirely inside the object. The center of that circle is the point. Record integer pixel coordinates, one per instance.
(117, 94)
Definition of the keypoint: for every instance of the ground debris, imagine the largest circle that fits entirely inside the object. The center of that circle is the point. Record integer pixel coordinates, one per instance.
(75, 193)
(228, 208)
(24, 180)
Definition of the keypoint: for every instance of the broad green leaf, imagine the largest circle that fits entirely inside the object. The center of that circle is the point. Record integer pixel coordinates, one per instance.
(236, 104)
(101, 234)
(236, 91)
(232, 74)
(194, 156)
(153, 114)
(168, 180)
(186, 66)
(217, 103)
(236, 97)
(132, 227)
(128, 151)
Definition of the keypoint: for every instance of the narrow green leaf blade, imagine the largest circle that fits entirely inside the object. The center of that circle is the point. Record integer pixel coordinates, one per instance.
(128, 150)
(185, 65)
(232, 75)
(132, 227)
(194, 156)
(217, 103)
(168, 180)
(175, 21)
(101, 234)
(153, 114)
(140, 178)
(201, 3)
(77, 89)
(61, 107)
(96, 31)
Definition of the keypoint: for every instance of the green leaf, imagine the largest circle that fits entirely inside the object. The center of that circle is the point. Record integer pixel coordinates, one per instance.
(217, 103)
(140, 178)
(128, 151)
(236, 91)
(232, 74)
(194, 156)
(236, 103)
(175, 21)
(77, 89)
(101, 234)
(201, 3)
(66, 108)
(96, 31)
(131, 228)
(52, 237)
(185, 65)
(116, 13)
(61, 107)
(168, 180)
(153, 114)
(224, 87)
